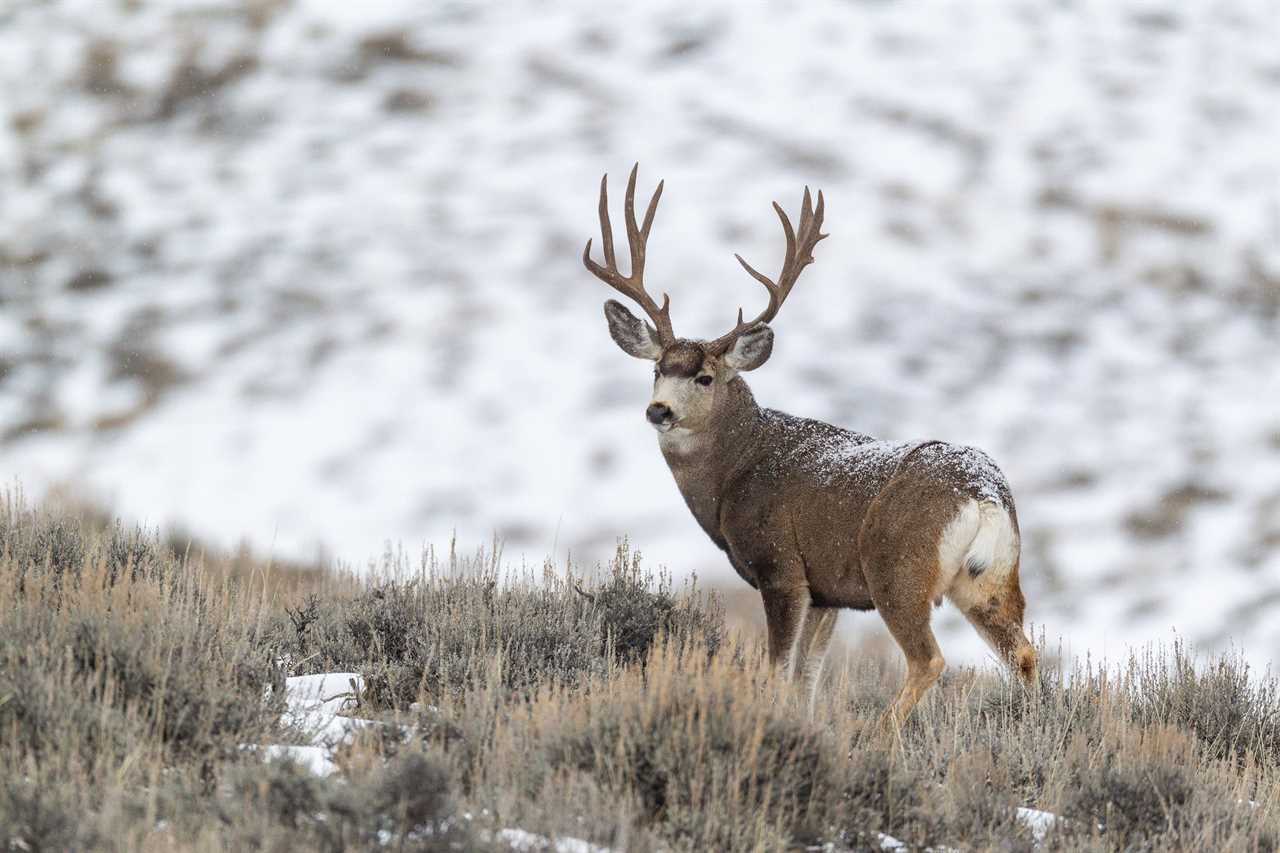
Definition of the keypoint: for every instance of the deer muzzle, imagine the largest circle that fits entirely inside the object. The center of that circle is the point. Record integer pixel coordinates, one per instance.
(659, 414)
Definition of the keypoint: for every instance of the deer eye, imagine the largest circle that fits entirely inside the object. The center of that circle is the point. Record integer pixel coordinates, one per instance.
(704, 380)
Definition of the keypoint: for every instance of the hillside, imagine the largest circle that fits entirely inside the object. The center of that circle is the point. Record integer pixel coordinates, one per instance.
(156, 695)
(288, 271)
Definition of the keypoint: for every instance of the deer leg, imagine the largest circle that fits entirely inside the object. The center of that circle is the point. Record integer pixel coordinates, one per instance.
(898, 542)
(924, 665)
(784, 613)
(908, 621)
(998, 619)
(811, 650)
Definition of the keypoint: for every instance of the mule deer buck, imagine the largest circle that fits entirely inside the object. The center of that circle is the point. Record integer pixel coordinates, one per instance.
(816, 517)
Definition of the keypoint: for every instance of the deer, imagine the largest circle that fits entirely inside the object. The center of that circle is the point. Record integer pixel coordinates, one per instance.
(815, 517)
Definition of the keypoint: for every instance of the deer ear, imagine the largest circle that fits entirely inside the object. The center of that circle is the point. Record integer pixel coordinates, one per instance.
(751, 349)
(629, 332)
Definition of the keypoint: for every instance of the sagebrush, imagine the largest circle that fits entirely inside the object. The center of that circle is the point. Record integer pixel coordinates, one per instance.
(140, 679)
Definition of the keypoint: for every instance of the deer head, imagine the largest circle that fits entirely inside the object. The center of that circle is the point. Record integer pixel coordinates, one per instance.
(690, 374)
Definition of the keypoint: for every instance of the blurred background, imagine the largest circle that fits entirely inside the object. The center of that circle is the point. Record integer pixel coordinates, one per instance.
(305, 274)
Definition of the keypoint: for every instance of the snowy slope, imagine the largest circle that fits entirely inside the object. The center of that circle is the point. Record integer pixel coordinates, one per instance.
(308, 272)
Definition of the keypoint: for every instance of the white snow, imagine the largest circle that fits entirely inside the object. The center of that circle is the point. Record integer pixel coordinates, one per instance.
(1039, 822)
(345, 303)
(316, 759)
(314, 706)
(520, 839)
(888, 842)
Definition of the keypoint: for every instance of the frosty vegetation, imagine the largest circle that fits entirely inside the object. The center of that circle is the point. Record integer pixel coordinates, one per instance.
(147, 700)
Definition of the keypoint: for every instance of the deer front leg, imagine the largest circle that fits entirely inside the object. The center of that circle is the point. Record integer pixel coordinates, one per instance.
(811, 648)
(785, 609)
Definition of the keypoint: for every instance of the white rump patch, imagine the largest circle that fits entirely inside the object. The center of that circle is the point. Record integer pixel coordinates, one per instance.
(979, 544)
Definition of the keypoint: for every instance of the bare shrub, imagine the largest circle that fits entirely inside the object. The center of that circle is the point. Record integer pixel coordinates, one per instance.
(436, 633)
(720, 760)
(1233, 714)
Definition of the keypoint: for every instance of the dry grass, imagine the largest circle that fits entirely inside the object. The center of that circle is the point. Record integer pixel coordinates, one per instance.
(619, 710)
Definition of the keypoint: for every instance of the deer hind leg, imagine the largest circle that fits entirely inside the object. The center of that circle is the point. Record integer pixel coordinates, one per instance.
(995, 609)
(811, 648)
(904, 573)
(908, 622)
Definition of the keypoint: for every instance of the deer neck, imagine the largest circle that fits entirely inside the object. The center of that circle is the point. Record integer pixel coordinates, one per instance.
(703, 462)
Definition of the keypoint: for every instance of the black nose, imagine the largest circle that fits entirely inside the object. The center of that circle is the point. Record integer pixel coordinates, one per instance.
(657, 413)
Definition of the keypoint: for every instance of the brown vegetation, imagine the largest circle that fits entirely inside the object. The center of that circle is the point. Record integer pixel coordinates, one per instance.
(133, 673)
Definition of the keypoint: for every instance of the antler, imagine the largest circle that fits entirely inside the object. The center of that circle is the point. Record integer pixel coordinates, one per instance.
(633, 285)
(799, 255)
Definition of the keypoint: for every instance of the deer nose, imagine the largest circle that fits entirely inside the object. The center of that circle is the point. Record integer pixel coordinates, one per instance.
(657, 413)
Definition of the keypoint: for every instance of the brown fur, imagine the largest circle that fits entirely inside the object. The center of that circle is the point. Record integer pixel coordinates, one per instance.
(860, 532)
(683, 358)
(816, 517)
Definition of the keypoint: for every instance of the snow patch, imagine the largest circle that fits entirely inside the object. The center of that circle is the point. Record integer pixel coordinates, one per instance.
(316, 759)
(1039, 822)
(522, 840)
(314, 704)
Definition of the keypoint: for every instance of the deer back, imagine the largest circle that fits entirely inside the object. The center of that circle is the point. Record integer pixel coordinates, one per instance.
(786, 491)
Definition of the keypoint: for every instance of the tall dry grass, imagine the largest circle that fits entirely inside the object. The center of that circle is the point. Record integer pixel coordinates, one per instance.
(135, 670)
(698, 753)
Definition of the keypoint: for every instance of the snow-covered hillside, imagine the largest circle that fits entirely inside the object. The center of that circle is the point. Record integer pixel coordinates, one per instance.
(308, 272)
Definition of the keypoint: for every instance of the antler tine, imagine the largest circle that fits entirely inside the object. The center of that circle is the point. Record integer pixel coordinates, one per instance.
(650, 211)
(631, 286)
(638, 237)
(800, 243)
(790, 234)
(606, 227)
